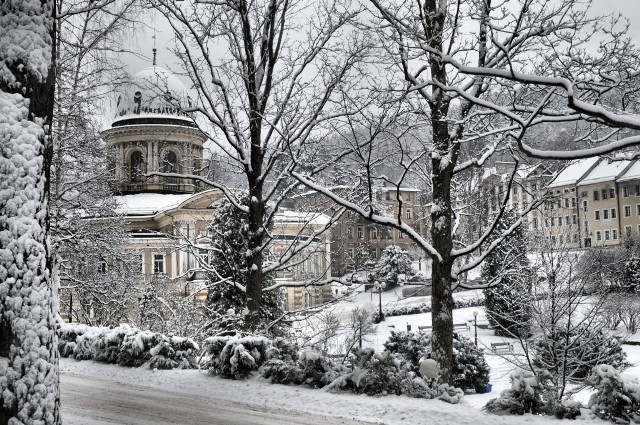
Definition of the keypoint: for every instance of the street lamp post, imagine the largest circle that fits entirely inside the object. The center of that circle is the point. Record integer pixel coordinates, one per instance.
(475, 326)
(379, 286)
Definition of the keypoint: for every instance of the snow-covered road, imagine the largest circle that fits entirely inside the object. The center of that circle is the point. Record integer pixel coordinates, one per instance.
(93, 401)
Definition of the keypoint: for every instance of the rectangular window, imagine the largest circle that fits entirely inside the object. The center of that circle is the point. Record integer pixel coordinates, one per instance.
(638, 209)
(553, 221)
(566, 220)
(575, 219)
(584, 206)
(605, 214)
(158, 263)
(598, 235)
(627, 231)
(409, 214)
(596, 195)
(349, 232)
(627, 210)
(614, 213)
(360, 232)
(566, 202)
(586, 226)
(607, 235)
(400, 235)
(597, 214)
(614, 234)
(374, 233)
(612, 192)
(604, 194)
(625, 191)
(637, 190)
(574, 202)
(575, 238)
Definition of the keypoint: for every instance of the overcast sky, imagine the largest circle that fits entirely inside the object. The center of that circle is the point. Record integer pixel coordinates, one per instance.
(144, 43)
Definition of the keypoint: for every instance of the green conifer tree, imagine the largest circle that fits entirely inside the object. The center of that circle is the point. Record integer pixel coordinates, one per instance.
(507, 269)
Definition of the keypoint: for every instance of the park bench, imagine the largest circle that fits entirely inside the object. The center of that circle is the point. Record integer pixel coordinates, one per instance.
(498, 347)
(456, 327)
(461, 327)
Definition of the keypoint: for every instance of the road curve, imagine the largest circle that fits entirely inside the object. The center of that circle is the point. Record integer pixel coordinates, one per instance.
(87, 401)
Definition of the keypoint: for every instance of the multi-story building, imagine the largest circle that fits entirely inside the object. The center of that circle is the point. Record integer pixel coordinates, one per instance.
(564, 212)
(484, 200)
(354, 240)
(598, 188)
(604, 197)
(628, 186)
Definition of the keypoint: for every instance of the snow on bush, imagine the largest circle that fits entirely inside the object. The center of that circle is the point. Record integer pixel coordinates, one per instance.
(426, 308)
(470, 370)
(126, 346)
(309, 368)
(235, 357)
(450, 394)
(524, 396)
(617, 398)
(381, 373)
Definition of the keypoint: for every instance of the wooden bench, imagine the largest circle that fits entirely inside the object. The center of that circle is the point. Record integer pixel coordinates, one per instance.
(505, 347)
(456, 327)
(461, 327)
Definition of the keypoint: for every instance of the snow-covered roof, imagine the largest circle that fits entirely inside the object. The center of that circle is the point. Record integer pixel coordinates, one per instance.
(573, 172)
(289, 216)
(148, 203)
(633, 173)
(605, 170)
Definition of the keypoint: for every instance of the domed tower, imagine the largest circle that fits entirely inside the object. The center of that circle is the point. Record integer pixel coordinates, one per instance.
(152, 132)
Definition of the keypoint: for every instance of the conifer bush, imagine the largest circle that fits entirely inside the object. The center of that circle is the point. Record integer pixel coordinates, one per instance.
(617, 398)
(470, 370)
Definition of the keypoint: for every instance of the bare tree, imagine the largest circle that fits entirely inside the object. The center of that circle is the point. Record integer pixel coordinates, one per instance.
(267, 75)
(488, 76)
(568, 334)
(28, 343)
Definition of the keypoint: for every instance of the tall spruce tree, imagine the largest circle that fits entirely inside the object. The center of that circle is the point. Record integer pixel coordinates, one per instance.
(507, 269)
(228, 264)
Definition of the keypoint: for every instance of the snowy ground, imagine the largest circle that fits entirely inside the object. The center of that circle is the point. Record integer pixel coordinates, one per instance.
(152, 390)
(257, 402)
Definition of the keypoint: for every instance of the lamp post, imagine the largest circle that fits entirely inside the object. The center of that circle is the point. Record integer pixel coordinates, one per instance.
(475, 326)
(379, 286)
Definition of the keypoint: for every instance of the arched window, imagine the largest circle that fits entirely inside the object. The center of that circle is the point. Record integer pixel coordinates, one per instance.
(170, 165)
(137, 168)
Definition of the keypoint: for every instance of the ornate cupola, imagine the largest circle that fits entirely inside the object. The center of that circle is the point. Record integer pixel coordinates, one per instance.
(153, 131)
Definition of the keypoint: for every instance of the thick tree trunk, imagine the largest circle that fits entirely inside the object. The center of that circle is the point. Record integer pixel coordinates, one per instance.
(254, 257)
(441, 296)
(28, 343)
(443, 160)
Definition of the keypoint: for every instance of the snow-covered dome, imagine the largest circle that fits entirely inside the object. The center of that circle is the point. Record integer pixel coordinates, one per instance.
(154, 96)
